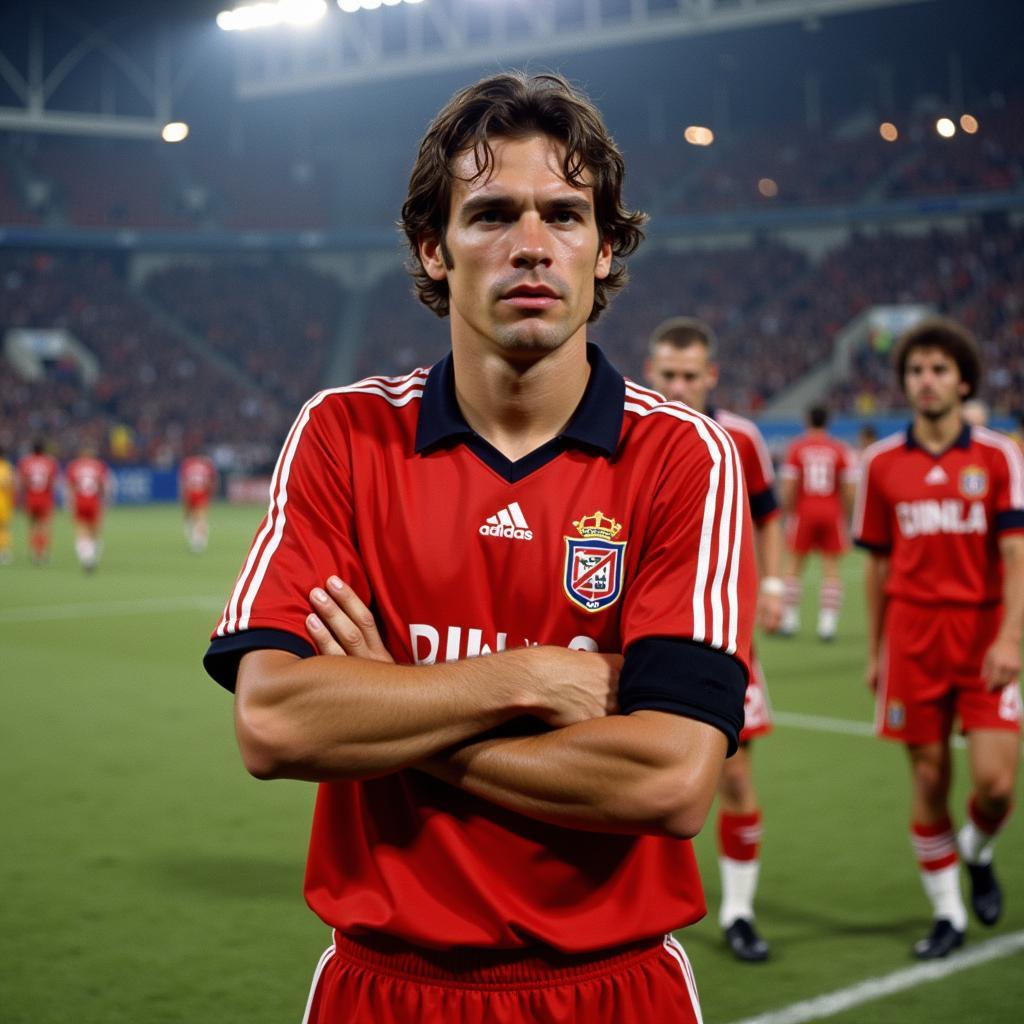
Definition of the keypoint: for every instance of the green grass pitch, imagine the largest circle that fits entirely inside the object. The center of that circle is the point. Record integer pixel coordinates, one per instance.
(144, 877)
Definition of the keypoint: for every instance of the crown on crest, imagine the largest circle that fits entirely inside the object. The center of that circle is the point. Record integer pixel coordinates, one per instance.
(597, 525)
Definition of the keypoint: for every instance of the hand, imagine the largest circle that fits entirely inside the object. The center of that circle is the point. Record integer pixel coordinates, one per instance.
(573, 686)
(1001, 664)
(871, 673)
(341, 624)
(769, 612)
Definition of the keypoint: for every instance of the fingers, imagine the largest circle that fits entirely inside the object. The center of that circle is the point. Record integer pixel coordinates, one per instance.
(349, 625)
(325, 643)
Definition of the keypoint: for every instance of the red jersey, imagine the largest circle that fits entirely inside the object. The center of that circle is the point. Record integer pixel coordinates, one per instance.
(88, 479)
(758, 473)
(628, 530)
(939, 517)
(38, 475)
(820, 464)
(197, 477)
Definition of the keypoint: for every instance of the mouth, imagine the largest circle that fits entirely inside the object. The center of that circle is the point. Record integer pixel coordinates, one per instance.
(531, 296)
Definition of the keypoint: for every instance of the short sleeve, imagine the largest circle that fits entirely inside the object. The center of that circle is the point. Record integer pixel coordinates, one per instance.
(1008, 485)
(696, 577)
(306, 535)
(872, 522)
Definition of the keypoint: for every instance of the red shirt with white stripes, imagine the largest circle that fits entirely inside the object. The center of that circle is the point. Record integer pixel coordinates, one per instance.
(38, 475)
(758, 472)
(88, 480)
(939, 517)
(820, 464)
(197, 477)
(628, 533)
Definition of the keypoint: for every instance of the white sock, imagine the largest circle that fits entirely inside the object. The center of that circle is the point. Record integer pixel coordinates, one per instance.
(791, 620)
(942, 887)
(83, 550)
(975, 845)
(739, 886)
(827, 621)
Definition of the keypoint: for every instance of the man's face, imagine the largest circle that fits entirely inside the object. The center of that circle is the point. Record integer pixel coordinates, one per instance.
(523, 250)
(682, 374)
(932, 383)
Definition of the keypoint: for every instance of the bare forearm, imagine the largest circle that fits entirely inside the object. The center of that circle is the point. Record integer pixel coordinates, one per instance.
(648, 772)
(335, 717)
(1012, 627)
(875, 573)
(768, 539)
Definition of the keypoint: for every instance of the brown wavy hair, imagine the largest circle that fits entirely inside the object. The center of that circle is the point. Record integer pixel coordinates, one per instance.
(948, 336)
(511, 106)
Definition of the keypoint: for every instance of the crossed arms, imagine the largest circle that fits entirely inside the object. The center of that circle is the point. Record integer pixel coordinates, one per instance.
(351, 713)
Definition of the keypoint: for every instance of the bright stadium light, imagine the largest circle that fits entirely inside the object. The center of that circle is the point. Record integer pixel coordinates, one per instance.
(265, 15)
(174, 131)
(352, 6)
(969, 123)
(945, 127)
(888, 131)
(768, 187)
(698, 135)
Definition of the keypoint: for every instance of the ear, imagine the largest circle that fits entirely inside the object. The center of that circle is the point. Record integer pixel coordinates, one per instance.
(964, 389)
(432, 257)
(712, 375)
(604, 260)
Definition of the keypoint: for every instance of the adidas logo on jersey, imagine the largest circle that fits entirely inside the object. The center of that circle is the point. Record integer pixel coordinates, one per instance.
(508, 522)
(936, 475)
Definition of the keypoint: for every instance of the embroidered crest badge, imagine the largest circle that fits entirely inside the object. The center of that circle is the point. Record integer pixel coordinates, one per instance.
(973, 482)
(593, 563)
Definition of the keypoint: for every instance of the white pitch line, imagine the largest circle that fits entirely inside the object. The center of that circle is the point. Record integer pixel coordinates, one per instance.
(818, 723)
(92, 609)
(867, 991)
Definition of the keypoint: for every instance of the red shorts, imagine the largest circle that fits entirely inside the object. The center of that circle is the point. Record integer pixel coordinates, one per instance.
(195, 501)
(930, 673)
(826, 534)
(38, 506)
(647, 983)
(757, 709)
(88, 512)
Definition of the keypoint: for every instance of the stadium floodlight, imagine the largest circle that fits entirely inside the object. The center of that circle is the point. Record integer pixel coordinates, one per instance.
(969, 123)
(888, 131)
(945, 127)
(174, 131)
(352, 6)
(265, 15)
(698, 135)
(768, 187)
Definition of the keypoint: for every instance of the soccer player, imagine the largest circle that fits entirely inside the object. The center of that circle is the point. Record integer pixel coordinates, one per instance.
(89, 482)
(818, 479)
(7, 489)
(501, 837)
(681, 365)
(37, 482)
(197, 480)
(940, 508)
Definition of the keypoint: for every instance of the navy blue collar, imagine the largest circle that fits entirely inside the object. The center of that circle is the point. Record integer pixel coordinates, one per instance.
(596, 423)
(963, 439)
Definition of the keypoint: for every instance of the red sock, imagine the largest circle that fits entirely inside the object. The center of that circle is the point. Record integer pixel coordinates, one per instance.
(934, 845)
(739, 835)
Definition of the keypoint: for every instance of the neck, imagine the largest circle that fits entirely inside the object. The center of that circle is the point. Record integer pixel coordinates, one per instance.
(936, 435)
(517, 406)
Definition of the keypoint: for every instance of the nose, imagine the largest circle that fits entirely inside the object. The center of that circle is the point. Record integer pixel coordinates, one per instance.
(530, 244)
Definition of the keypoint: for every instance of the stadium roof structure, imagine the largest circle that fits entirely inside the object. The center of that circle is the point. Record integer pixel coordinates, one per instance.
(441, 35)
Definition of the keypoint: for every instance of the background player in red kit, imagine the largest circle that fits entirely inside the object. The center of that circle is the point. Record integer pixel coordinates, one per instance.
(817, 492)
(88, 480)
(681, 365)
(501, 837)
(37, 482)
(197, 480)
(940, 508)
